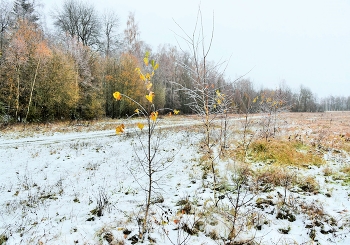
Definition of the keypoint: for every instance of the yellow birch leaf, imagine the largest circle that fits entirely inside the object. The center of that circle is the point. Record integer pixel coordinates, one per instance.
(117, 95)
(154, 116)
(176, 112)
(140, 126)
(142, 77)
(148, 86)
(219, 101)
(137, 111)
(148, 76)
(120, 129)
(156, 67)
(145, 60)
(150, 96)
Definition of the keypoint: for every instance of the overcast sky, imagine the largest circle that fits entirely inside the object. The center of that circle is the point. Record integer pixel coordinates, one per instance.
(301, 42)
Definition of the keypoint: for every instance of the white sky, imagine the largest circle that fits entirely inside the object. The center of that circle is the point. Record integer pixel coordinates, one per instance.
(301, 42)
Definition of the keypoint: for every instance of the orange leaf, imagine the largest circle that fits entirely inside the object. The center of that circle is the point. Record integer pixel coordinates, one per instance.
(176, 221)
(154, 116)
(117, 95)
(120, 129)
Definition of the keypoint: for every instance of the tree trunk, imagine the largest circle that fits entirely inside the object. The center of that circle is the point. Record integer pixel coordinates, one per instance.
(32, 89)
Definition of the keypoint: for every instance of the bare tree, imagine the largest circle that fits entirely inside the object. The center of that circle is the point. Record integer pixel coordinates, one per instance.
(110, 23)
(132, 42)
(205, 93)
(272, 103)
(5, 19)
(79, 20)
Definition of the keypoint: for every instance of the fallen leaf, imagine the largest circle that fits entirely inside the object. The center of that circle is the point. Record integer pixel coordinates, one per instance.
(120, 129)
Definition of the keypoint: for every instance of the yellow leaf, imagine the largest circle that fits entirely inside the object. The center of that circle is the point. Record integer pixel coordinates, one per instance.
(154, 116)
(148, 76)
(138, 70)
(142, 77)
(219, 101)
(148, 86)
(120, 129)
(117, 95)
(145, 60)
(156, 67)
(137, 111)
(176, 112)
(140, 125)
(150, 96)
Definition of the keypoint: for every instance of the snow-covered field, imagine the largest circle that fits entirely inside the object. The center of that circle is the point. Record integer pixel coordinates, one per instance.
(88, 187)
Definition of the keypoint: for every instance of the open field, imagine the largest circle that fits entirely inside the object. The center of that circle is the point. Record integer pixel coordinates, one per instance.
(283, 181)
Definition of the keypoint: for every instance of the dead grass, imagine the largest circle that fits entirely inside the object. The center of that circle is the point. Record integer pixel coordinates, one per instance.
(346, 178)
(283, 153)
(272, 176)
(308, 184)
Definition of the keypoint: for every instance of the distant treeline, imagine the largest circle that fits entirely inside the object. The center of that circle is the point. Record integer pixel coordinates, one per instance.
(71, 72)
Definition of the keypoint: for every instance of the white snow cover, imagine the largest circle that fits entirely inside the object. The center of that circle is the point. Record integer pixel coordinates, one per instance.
(51, 182)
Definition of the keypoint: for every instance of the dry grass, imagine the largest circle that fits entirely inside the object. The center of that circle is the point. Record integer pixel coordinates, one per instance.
(283, 153)
(308, 184)
(346, 171)
(275, 176)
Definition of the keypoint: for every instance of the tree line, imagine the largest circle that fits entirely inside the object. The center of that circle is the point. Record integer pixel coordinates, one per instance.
(72, 71)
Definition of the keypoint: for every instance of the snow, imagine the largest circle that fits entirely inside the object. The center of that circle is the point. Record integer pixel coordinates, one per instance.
(51, 182)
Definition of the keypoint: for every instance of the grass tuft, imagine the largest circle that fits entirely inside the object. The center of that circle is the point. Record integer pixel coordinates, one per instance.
(284, 153)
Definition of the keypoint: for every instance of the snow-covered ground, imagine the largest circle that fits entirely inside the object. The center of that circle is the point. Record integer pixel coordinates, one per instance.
(88, 187)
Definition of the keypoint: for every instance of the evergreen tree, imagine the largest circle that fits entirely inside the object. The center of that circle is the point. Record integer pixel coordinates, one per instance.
(25, 10)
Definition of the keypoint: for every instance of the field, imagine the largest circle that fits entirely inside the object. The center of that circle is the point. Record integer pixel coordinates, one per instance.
(283, 180)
